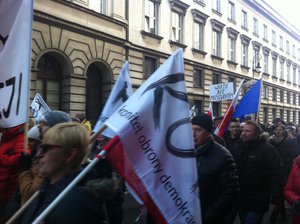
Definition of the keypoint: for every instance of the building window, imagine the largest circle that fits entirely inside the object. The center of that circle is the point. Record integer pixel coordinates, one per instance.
(151, 16)
(288, 97)
(231, 11)
(244, 19)
(48, 81)
(273, 38)
(282, 69)
(294, 99)
(231, 79)
(216, 106)
(245, 41)
(274, 94)
(198, 106)
(281, 96)
(294, 117)
(281, 113)
(294, 51)
(217, 5)
(177, 23)
(99, 6)
(255, 26)
(281, 42)
(299, 59)
(287, 47)
(288, 114)
(216, 37)
(265, 92)
(265, 32)
(232, 36)
(294, 75)
(266, 115)
(150, 65)
(274, 113)
(274, 64)
(199, 23)
(288, 70)
(198, 78)
(266, 63)
(216, 79)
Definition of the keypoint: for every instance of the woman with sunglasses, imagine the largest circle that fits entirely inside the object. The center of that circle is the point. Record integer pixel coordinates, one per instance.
(63, 150)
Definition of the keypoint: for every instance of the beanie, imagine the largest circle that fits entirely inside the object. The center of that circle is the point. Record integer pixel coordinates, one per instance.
(55, 117)
(34, 133)
(203, 120)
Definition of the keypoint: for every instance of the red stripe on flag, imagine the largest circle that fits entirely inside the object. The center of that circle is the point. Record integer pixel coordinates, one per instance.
(118, 158)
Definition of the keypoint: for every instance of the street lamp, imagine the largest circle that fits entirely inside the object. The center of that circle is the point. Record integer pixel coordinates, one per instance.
(255, 64)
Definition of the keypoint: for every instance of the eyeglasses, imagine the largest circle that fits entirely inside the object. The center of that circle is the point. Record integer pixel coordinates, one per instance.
(44, 148)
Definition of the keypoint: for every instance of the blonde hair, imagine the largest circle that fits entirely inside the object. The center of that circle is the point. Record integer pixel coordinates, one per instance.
(70, 136)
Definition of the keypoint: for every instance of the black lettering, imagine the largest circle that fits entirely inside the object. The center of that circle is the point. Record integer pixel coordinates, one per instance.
(10, 82)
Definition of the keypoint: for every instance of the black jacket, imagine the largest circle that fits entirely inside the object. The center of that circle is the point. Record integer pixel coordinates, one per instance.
(259, 170)
(218, 181)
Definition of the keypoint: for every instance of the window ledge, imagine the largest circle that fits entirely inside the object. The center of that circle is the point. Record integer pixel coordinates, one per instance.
(245, 67)
(266, 74)
(265, 40)
(274, 45)
(274, 78)
(217, 12)
(157, 37)
(255, 34)
(232, 20)
(289, 82)
(281, 80)
(200, 3)
(177, 44)
(199, 51)
(232, 63)
(215, 57)
(244, 28)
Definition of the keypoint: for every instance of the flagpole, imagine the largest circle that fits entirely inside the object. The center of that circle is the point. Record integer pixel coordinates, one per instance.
(259, 100)
(94, 136)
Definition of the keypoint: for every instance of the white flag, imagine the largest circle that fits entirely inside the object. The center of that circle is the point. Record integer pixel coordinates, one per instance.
(119, 94)
(39, 107)
(154, 127)
(15, 48)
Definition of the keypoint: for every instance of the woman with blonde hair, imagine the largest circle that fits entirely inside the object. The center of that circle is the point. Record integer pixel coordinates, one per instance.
(63, 150)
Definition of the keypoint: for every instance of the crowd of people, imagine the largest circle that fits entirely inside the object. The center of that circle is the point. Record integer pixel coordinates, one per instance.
(252, 169)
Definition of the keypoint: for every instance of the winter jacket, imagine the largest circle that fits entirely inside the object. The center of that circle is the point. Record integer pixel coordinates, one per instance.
(217, 180)
(11, 146)
(259, 170)
(292, 187)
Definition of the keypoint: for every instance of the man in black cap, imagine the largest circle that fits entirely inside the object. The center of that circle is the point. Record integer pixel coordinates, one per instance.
(217, 174)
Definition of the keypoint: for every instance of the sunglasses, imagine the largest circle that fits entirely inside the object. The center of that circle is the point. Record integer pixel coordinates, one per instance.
(44, 148)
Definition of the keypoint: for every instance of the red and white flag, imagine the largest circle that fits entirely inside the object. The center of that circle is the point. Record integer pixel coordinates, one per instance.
(155, 130)
(229, 112)
(210, 111)
(15, 49)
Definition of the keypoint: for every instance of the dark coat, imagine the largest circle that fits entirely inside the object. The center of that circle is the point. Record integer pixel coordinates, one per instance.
(259, 170)
(78, 206)
(218, 181)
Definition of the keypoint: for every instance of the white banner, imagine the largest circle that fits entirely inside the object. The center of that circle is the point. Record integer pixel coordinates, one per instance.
(222, 91)
(39, 107)
(121, 91)
(15, 48)
(154, 125)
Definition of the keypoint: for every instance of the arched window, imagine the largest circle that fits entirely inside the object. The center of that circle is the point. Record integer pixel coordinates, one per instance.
(49, 81)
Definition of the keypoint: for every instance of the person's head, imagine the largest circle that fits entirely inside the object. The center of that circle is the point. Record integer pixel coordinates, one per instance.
(280, 131)
(64, 148)
(291, 130)
(80, 116)
(34, 138)
(202, 126)
(250, 131)
(234, 128)
(52, 118)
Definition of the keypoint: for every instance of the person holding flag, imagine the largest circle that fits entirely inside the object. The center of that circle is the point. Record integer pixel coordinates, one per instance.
(217, 174)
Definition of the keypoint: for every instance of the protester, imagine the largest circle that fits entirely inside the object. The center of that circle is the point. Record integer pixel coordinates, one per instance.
(259, 170)
(234, 133)
(279, 141)
(84, 121)
(65, 146)
(217, 174)
(292, 190)
(11, 147)
(29, 177)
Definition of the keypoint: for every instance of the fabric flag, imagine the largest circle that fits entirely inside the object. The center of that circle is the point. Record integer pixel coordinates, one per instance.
(39, 107)
(193, 111)
(229, 112)
(210, 111)
(155, 130)
(15, 48)
(119, 94)
(249, 104)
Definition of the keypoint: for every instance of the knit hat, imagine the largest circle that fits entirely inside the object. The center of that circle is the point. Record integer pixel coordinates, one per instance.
(203, 120)
(34, 133)
(55, 117)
